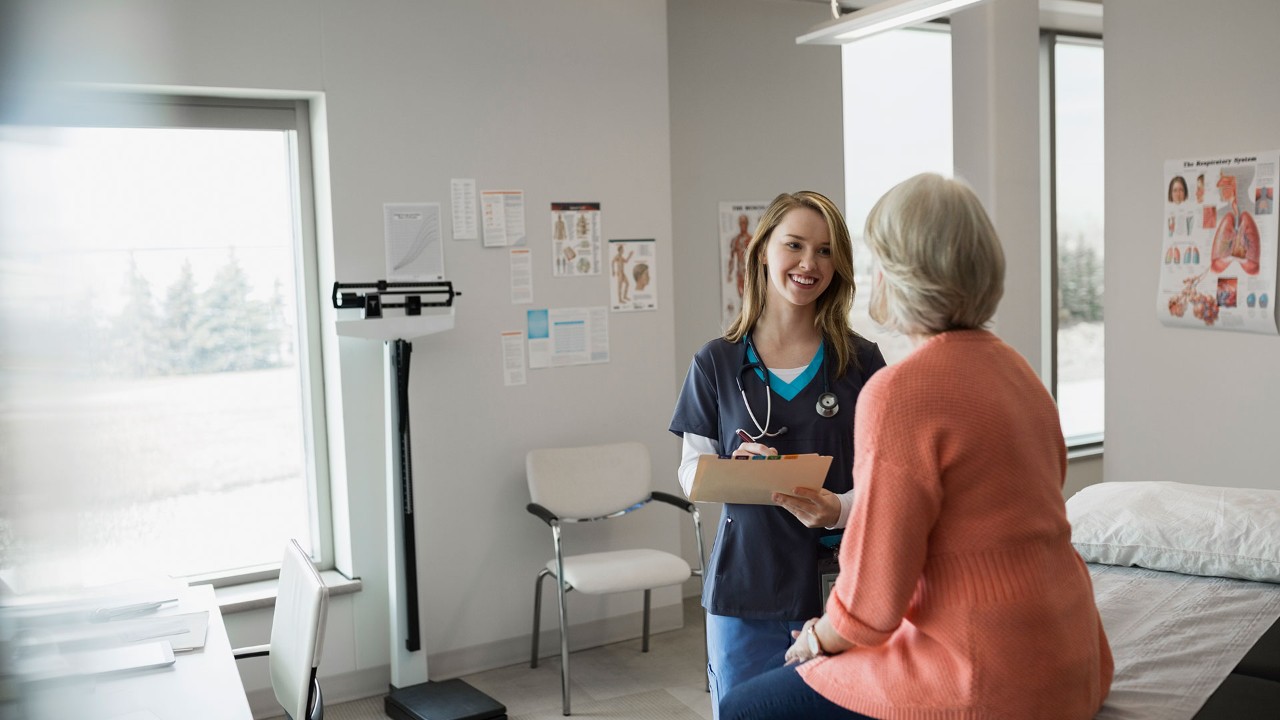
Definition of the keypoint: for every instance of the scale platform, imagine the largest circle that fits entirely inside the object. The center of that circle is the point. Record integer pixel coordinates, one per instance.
(446, 700)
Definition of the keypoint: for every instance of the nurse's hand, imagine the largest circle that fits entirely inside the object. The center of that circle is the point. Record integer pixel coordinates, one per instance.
(753, 448)
(814, 508)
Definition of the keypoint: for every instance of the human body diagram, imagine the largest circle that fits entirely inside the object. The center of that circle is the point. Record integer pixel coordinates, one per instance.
(737, 224)
(618, 269)
(1219, 253)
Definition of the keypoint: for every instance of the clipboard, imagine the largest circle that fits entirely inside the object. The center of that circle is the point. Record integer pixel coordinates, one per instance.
(752, 481)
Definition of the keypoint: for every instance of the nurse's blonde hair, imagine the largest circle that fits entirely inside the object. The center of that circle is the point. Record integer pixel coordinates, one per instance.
(835, 303)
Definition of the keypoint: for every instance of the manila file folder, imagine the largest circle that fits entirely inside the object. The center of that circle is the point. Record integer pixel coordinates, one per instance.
(753, 481)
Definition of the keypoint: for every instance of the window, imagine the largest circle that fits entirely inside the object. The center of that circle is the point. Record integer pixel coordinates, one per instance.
(883, 148)
(1076, 72)
(161, 392)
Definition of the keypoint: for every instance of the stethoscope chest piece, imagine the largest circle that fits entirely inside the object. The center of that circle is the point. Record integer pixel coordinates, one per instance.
(828, 405)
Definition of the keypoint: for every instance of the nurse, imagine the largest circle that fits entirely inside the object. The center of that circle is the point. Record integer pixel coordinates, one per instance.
(786, 376)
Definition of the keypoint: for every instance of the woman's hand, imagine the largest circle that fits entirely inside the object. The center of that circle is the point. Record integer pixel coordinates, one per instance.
(800, 651)
(748, 449)
(815, 508)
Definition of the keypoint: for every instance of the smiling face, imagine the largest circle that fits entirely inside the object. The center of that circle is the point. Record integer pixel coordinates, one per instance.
(798, 258)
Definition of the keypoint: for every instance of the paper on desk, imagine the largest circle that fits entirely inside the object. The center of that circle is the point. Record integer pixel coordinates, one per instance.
(185, 631)
(753, 481)
(96, 661)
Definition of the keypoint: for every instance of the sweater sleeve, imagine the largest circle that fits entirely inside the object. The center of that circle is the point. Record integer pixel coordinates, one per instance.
(885, 545)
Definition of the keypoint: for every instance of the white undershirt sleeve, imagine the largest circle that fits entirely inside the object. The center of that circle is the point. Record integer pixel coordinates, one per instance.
(694, 447)
(846, 509)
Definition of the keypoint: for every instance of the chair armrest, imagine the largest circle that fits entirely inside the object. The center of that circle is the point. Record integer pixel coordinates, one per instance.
(670, 499)
(542, 513)
(251, 651)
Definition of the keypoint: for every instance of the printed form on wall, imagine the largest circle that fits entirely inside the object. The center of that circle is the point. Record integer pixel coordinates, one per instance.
(521, 276)
(568, 336)
(513, 358)
(633, 275)
(575, 239)
(503, 212)
(738, 221)
(412, 235)
(463, 191)
(1219, 243)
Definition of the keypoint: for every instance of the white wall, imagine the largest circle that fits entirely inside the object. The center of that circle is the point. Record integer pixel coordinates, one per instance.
(752, 115)
(1182, 80)
(658, 110)
(565, 99)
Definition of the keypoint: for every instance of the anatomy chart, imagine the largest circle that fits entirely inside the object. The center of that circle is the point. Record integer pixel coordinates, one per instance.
(737, 223)
(1219, 243)
(412, 235)
(633, 275)
(575, 239)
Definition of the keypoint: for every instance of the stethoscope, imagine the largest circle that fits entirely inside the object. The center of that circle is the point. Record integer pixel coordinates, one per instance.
(828, 405)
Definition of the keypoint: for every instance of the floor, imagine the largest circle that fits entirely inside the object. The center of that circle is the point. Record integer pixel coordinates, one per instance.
(615, 681)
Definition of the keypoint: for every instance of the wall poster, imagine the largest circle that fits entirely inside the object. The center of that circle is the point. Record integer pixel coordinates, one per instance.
(737, 223)
(633, 275)
(1219, 243)
(568, 336)
(575, 239)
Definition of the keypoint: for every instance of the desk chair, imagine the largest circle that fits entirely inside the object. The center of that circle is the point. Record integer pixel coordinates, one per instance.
(297, 634)
(586, 484)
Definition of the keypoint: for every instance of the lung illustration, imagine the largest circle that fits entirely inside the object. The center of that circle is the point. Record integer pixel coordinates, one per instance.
(1237, 236)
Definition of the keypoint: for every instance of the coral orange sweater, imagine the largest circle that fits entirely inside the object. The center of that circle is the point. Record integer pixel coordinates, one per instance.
(958, 585)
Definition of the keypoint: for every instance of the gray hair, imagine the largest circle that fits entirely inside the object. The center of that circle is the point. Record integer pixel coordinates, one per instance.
(941, 264)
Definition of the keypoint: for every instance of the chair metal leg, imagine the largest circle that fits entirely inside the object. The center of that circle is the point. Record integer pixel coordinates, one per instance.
(315, 700)
(537, 615)
(564, 646)
(644, 645)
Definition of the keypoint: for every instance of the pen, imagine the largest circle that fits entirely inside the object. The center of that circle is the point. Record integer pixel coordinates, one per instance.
(745, 437)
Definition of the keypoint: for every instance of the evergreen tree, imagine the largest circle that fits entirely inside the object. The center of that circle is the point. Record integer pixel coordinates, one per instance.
(181, 318)
(1080, 282)
(136, 331)
(234, 331)
(278, 348)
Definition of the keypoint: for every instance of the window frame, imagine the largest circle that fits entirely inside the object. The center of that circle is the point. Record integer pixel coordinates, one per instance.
(110, 108)
(1049, 37)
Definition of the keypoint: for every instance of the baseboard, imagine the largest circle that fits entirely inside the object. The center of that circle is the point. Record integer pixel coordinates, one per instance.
(338, 688)
(450, 664)
(512, 651)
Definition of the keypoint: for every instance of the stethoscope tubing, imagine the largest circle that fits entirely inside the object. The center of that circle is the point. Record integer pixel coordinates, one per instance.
(828, 405)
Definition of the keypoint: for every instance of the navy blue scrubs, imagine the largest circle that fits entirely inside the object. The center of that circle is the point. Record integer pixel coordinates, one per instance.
(764, 564)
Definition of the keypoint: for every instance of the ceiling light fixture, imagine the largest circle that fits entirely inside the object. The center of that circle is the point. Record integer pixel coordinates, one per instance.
(878, 18)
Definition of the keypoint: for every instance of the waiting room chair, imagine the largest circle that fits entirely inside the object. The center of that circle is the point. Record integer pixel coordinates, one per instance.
(297, 635)
(585, 484)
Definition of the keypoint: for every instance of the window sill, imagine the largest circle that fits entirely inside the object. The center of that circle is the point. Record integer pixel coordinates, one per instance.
(262, 593)
(1084, 451)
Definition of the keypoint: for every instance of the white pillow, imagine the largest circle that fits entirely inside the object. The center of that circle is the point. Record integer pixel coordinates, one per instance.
(1189, 529)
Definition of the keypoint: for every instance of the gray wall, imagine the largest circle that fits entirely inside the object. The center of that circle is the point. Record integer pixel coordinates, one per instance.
(1182, 404)
(666, 109)
(752, 115)
(565, 99)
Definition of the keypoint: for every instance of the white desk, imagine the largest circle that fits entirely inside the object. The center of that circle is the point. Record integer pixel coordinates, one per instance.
(201, 684)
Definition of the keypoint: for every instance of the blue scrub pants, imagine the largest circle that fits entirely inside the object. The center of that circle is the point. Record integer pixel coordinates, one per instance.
(779, 695)
(739, 649)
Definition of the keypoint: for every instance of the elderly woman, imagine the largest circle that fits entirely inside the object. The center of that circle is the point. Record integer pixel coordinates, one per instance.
(959, 594)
